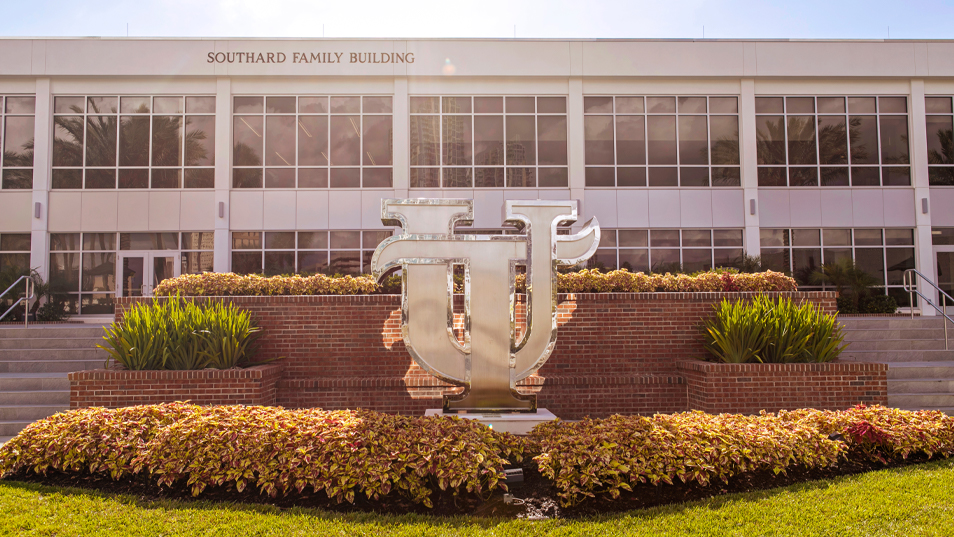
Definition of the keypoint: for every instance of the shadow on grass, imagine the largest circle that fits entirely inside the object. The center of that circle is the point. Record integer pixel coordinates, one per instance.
(463, 521)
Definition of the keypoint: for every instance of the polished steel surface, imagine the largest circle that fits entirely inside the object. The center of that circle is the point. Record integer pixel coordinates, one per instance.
(490, 360)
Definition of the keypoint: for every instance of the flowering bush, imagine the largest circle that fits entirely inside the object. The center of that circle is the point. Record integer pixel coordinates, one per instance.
(584, 281)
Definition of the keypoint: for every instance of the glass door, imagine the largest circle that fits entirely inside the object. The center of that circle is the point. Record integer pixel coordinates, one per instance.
(141, 272)
(945, 274)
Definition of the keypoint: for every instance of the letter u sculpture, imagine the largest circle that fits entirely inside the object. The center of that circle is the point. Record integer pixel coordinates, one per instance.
(489, 363)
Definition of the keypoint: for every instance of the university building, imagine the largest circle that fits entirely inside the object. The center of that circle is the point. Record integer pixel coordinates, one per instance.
(126, 161)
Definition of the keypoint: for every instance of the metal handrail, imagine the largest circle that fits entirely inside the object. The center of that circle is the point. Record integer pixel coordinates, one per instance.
(911, 286)
(28, 295)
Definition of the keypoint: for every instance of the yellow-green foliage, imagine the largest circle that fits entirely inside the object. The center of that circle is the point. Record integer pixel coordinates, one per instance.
(623, 281)
(346, 453)
(772, 330)
(179, 334)
(608, 456)
(341, 453)
(584, 281)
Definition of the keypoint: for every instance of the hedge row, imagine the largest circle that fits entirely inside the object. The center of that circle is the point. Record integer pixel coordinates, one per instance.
(584, 281)
(347, 453)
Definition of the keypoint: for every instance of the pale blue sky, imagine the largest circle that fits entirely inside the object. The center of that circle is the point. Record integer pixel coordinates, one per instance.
(849, 19)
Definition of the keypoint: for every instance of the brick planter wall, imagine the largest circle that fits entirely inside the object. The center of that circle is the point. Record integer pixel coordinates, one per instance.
(116, 388)
(615, 352)
(750, 388)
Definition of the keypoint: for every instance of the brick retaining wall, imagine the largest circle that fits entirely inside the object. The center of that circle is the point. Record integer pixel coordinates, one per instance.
(615, 352)
(749, 388)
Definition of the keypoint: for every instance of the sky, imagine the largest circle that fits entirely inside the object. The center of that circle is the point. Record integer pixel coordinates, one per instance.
(680, 19)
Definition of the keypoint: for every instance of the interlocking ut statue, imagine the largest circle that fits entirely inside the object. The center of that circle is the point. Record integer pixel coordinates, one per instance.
(489, 363)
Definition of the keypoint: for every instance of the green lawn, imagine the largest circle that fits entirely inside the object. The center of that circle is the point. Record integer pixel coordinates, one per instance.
(916, 500)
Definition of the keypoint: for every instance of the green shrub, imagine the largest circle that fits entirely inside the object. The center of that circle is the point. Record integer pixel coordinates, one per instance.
(340, 453)
(768, 330)
(178, 334)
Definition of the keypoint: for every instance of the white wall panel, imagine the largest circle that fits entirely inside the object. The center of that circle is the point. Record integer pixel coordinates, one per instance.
(133, 211)
(900, 207)
(198, 211)
(774, 208)
(602, 205)
(488, 208)
(695, 206)
(632, 208)
(941, 207)
(867, 207)
(279, 211)
(836, 208)
(15, 211)
(664, 208)
(246, 210)
(344, 209)
(16, 56)
(65, 209)
(728, 208)
(164, 210)
(99, 212)
(371, 208)
(805, 207)
(312, 209)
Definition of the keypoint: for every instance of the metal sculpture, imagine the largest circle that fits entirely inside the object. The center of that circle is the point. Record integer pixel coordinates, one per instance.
(489, 363)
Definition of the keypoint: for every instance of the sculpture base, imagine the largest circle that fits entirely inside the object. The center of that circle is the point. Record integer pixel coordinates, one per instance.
(506, 422)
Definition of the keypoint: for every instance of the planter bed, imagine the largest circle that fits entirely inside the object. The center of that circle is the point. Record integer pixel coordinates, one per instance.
(750, 388)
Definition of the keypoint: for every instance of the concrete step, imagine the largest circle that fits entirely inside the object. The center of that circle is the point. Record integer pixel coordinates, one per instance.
(913, 333)
(919, 400)
(33, 381)
(890, 323)
(37, 397)
(49, 366)
(896, 345)
(10, 428)
(30, 412)
(920, 370)
(10, 355)
(50, 343)
(53, 331)
(926, 385)
(852, 355)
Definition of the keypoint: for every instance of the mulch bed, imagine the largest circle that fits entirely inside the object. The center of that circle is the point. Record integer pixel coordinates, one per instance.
(535, 497)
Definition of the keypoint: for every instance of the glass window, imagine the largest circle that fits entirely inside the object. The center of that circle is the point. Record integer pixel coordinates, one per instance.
(816, 138)
(661, 250)
(305, 252)
(624, 134)
(314, 142)
(16, 141)
(940, 138)
(468, 142)
(149, 143)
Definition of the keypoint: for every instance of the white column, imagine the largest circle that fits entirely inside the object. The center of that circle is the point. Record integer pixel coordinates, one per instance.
(42, 162)
(222, 261)
(917, 124)
(576, 141)
(750, 181)
(401, 138)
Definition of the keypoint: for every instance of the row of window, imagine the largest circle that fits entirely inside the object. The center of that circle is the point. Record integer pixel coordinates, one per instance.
(308, 252)
(667, 250)
(108, 142)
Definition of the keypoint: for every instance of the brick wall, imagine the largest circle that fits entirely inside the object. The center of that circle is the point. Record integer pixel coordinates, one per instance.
(749, 388)
(615, 352)
(118, 388)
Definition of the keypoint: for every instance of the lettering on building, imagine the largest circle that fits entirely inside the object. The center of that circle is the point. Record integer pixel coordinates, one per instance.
(311, 57)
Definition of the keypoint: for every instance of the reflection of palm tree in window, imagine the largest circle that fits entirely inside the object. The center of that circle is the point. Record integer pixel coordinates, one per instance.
(943, 176)
(19, 178)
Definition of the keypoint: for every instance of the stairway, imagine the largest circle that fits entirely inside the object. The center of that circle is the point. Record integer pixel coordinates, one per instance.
(34, 363)
(920, 370)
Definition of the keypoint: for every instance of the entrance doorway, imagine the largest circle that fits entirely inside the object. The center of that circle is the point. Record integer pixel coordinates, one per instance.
(141, 272)
(944, 256)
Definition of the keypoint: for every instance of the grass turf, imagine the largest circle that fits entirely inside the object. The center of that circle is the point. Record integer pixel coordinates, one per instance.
(913, 500)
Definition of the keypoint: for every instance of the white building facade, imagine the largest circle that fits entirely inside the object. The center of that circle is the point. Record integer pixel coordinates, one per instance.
(129, 160)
